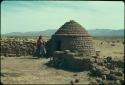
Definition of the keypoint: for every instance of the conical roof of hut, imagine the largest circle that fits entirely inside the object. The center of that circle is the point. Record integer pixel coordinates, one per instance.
(71, 28)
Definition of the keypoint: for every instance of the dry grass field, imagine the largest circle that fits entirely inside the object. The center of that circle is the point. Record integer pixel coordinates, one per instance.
(26, 70)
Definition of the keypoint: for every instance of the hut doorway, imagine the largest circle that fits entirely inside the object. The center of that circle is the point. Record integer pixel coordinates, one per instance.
(58, 45)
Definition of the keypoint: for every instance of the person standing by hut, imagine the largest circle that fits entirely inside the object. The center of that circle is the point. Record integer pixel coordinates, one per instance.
(40, 47)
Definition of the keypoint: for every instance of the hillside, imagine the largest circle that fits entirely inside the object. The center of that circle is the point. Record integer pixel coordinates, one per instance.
(94, 32)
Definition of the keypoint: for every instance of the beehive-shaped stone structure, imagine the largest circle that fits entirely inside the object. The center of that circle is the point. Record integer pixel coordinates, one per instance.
(72, 36)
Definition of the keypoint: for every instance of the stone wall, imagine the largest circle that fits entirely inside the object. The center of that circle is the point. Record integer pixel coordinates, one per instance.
(74, 43)
(71, 60)
(17, 48)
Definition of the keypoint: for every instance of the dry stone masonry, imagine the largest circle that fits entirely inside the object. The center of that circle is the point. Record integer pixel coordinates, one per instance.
(72, 36)
(12, 48)
(72, 47)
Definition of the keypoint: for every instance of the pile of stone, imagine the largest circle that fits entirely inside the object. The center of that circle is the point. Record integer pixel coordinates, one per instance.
(105, 70)
(70, 60)
(108, 71)
(17, 48)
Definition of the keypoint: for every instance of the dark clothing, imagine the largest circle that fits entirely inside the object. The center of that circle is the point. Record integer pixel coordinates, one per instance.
(40, 50)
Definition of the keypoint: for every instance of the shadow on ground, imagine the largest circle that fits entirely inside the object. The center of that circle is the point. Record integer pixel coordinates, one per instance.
(28, 58)
(65, 68)
(5, 74)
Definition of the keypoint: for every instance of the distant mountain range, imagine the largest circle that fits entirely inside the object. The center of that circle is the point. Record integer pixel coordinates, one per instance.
(94, 32)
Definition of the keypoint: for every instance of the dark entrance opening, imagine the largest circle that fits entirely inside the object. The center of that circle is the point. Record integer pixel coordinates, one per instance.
(58, 45)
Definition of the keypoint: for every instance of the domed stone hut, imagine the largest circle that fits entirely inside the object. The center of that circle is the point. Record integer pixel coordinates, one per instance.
(71, 36)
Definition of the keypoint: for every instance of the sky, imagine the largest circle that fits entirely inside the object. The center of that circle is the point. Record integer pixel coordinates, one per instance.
(23, 16)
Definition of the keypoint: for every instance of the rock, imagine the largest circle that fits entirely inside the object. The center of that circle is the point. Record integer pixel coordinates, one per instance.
(122, 81)
(99, 70)
(66, 51)
(99, 80)
(105, 60)
(71, 82)
(105, 82)
(116, 72)
(118, 63)
(75, 75)
(110, 66)
(93, 83)
(2, 57)
(112, 77)
(98, 53)
(76, 80)
(110, 83)
(104, 77)
(119, 73)
(112, 44)
(109, 59)
(118, 82)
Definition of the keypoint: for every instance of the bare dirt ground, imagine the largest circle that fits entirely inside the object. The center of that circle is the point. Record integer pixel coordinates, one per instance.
(106, 49)
(26, 70)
